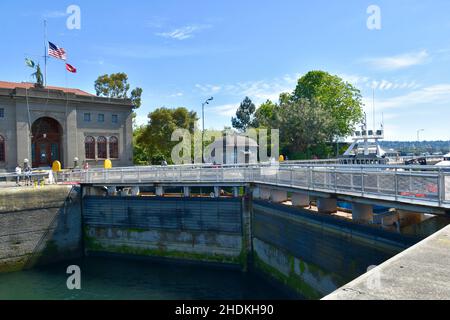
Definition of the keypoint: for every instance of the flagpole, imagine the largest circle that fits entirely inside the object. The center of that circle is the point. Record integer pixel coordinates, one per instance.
(45, 52)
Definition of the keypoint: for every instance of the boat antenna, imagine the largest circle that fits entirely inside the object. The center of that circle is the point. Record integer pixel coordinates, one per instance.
(373, 106)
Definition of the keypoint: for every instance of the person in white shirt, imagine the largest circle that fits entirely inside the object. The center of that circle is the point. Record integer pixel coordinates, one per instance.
(18, 174)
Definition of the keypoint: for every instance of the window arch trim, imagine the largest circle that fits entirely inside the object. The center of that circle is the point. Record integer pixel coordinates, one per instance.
(2, 149)
(102, 147)
(89, 147)
(113, 147)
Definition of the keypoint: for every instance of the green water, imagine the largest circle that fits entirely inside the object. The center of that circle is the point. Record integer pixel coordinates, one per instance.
(112, 278)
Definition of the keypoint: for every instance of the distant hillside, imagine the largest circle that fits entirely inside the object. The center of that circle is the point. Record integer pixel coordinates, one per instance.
(417, 146)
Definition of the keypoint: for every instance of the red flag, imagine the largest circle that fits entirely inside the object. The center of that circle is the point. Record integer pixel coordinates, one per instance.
(70, 68)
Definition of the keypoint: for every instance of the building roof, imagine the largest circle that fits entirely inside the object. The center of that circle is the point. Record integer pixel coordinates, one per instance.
(29, 85)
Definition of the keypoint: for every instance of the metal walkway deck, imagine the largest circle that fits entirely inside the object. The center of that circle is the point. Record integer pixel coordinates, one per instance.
(422, 185)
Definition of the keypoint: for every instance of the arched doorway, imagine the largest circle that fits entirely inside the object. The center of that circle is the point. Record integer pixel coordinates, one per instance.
(46, 142)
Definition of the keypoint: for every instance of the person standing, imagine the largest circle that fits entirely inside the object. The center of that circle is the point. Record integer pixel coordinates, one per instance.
(28, 173)
(18, 174)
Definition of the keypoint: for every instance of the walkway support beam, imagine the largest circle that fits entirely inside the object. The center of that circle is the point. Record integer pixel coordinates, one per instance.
(159, 191)
(407, 218)
(327, 205)
(300, 199)
(278, 196)
(362, 213)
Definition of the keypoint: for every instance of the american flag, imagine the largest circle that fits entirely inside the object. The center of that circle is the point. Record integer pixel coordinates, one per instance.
(54, 51)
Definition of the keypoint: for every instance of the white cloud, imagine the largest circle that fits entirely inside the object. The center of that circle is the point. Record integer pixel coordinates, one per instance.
(140, 120)
(99, 62)
(226, 110)
(183, 33)
(399, 61)
(208, 88)
(428, 96)
(364, 82)
(259, 91)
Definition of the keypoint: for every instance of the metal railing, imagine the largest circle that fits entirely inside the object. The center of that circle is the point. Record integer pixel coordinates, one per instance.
(7, 178)
(427, 185)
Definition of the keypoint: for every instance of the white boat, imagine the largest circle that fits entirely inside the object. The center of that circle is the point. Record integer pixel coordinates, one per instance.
(365, 148)
(445, 162)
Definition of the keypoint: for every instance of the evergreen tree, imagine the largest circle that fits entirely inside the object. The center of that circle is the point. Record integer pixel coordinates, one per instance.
(244, 115)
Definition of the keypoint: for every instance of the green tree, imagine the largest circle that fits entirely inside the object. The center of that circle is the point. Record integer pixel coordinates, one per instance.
(266, 115)
(140, 155)
(116, 86)
(244, 115)
(340, 98)
(305, 128)
(153, 141)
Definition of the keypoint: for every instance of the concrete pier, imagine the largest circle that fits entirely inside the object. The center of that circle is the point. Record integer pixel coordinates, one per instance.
(187, 192)
(216, 192)
(327, 205)
(278, 196)
(407, 218)
(264, 193)
(159, 191)
(362, 213)
(300, 200)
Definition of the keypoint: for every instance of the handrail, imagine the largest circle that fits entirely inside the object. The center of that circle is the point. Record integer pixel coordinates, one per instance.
(407, 184)
(414, 184)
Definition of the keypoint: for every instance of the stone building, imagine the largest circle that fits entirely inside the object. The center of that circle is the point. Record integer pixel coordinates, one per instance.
(51, 123)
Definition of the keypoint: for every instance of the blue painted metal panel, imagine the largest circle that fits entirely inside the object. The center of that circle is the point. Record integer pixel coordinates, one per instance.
(190, 214)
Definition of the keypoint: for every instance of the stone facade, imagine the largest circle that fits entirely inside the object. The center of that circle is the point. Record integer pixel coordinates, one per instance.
(47, 124)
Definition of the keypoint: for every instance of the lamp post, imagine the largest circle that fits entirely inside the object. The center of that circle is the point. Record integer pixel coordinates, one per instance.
(418, 134)
(418, 137)
(203, 126)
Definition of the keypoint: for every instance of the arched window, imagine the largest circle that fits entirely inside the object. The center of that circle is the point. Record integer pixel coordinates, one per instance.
(2, 149)
(89, 147)
(101, 148)
(113, 148)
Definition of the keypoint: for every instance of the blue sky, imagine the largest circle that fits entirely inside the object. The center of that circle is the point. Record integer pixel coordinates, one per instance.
(182, 52)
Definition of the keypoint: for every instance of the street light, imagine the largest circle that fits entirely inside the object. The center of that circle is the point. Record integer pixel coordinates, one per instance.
(418, 134)
(203, 126)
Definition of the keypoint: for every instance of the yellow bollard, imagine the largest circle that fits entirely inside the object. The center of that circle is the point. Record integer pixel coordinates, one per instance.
(56, 167)
(108, 164)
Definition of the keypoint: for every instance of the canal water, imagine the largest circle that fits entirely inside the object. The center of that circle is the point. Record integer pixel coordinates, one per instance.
(126, 279)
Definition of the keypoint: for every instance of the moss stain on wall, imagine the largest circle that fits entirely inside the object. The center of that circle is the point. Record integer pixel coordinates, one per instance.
(93, 245)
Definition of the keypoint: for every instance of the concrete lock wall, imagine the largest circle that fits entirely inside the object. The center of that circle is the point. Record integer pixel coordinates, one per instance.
(39, 226)
(205, 229)
(311, 254)
(316, 254)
